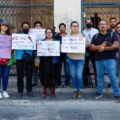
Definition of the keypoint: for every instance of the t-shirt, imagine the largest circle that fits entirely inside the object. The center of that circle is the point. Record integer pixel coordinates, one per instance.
(90, 33)
(98, 40)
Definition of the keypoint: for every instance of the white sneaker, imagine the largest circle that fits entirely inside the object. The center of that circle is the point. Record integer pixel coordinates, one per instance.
(5, 94)
(1, 96)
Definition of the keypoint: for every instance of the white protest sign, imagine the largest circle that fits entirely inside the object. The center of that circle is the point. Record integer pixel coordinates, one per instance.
(73, 44)
(48, 48)
(40, 33)
(24, 42)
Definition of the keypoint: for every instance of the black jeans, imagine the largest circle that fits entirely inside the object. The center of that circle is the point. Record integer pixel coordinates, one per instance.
(47, 72)
(27, 68)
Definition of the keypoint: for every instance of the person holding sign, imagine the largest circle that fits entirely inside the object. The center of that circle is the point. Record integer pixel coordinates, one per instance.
(37, 25)
(5, 60)
(76, 62)
(24, 63)
(48, 65)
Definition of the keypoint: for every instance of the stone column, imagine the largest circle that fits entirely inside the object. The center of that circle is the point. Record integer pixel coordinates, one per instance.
(67, 11)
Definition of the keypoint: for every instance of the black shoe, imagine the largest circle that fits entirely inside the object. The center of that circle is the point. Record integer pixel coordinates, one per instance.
(109, 85)
(34, 85)
(117, 98)
(20, 95)
(30, 94)
(98, 95)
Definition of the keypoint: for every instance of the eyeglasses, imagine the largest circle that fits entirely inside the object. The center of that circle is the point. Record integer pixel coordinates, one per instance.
(75, 26)
(49, 33)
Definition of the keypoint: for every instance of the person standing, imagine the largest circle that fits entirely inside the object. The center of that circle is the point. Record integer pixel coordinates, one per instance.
(5, 64)
(48, 69)
(62, 33)
(105, 50)
(118, 36)
(89, 32)
(24, 66)
(37, 25)
(111, 31)
(76, 63)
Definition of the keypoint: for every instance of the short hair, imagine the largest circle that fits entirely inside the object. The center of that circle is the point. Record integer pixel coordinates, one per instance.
(117, 24)
(38, 22)
(48, 29)
(112, 18)
(87, 20)
(101, 21)
(74, 22)
(25, 23)
(62, 24)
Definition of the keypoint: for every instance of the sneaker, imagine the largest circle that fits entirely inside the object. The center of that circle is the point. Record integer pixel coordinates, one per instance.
(78, 95)
(109, 85)
(19, 95)
(34, 85)
(1, 97)
(117, 98)
(98, 96)
(5, 94)
(74, 95)
(30, 94)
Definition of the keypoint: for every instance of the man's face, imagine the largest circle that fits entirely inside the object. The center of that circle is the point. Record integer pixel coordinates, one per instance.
(103, 26)
(62, 28)
(118, 28)
(25, 26)
(113, 23)
(38, 26)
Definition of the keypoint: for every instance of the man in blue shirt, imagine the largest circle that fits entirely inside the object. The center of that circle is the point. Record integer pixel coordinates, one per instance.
(89, 32)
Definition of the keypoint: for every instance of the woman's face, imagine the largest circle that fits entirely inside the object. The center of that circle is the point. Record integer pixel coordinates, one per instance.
(49, 34)
(75, 28)
(4, 28)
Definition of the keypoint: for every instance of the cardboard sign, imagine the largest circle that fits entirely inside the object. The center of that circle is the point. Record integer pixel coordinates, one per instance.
(23, 42)
(5, 46)
(73, 44)
(48, 48)
(40, 33)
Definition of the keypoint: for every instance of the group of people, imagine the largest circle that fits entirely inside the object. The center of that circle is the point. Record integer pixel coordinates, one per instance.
(102, 49)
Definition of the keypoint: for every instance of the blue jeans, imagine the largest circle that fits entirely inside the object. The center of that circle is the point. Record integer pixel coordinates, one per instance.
(76, 69)
(4, 75)
(110, 67)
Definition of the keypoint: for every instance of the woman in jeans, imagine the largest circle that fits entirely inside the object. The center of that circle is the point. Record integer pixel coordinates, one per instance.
(48, 69)
(76, 63)
(4, 66)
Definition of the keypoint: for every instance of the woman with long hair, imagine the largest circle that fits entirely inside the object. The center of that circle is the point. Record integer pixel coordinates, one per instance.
(5, 64)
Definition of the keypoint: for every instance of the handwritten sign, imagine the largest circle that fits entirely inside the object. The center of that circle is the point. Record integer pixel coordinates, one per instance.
(23, 42)
(40, 33)
(48, 48)
(73, 44)
(5, 46)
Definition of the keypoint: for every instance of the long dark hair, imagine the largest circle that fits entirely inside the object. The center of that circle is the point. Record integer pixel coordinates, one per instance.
(47, 30)
(8, 31)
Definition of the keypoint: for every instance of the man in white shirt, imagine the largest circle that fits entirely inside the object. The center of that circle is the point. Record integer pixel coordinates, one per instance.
(89, 32)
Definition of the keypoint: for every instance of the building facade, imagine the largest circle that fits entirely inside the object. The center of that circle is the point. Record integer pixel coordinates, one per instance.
(17, 11)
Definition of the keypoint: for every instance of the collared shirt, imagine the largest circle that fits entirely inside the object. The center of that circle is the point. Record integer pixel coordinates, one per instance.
(90, 33)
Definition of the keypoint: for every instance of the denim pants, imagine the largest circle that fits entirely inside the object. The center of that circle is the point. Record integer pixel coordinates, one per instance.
(76, 69)
(4, 76)
(110, 67)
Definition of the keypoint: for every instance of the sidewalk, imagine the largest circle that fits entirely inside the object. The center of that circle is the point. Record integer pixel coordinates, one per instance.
(63, 107)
